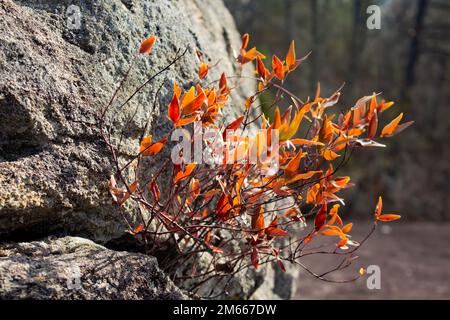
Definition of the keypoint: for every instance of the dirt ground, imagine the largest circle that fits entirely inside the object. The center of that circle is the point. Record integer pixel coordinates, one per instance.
(414, 260)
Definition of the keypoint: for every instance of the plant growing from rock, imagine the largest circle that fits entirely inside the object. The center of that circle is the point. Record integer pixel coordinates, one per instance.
(247, 206)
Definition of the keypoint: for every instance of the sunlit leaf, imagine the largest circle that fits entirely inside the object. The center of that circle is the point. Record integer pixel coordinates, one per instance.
(388, 217)
(147, 45)
(174, 109)
(203, 70)
(330, 155)
(389, 129)
(347, 228)
(277, 66)
(290, 57)
(245, 39)
(293, 164)
(180, 176)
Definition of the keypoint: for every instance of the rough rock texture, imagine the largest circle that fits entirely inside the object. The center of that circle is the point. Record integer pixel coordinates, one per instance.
(56, 76)
(76, 268)
(55, 79)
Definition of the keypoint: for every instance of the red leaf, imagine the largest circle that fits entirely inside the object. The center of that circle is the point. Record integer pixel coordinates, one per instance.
(281, 265)
(155, 190)
(321, 216)
(233, 126)
(255, 258)
(174, 109)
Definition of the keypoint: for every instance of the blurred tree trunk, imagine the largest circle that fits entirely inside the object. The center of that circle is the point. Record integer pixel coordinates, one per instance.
(289, 20)
(415, 43)
(314, 45)
(355, 47)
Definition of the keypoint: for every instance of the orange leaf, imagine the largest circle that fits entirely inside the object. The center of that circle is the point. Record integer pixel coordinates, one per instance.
(145, 143)
(203, 70)
(303, 176)
(174, 109)
(245, 39)
(330, 155)
(383, 106)
(389, 129)
(137, 230)
(379, 207)
(251, 55)
(223, 206)
(180, 176)
(216, 249)
(249, 101)
(292, 212)
(176, 89)
(288, 131)
(306, 142)
(313, 191)
(277, 66)
(343, 242)
(331, 232)
(153, 149)
(307, 239)
(388, 217)
(262, 71)
(258, 222)
(185, 121)
(290, 57)
(233, 125)
(293, 165)
(373, 125)
(194, 104)
(347, 228)
(273, 231)
(147, 45)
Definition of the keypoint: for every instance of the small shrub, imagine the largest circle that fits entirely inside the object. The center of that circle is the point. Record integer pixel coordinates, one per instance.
(248, 204)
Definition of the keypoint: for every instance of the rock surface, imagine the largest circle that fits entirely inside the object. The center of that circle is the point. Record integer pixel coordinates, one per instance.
(60, 62)
(76, 268)
(57, 75)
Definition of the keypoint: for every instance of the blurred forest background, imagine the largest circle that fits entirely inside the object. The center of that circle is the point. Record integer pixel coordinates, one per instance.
(407, 60)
